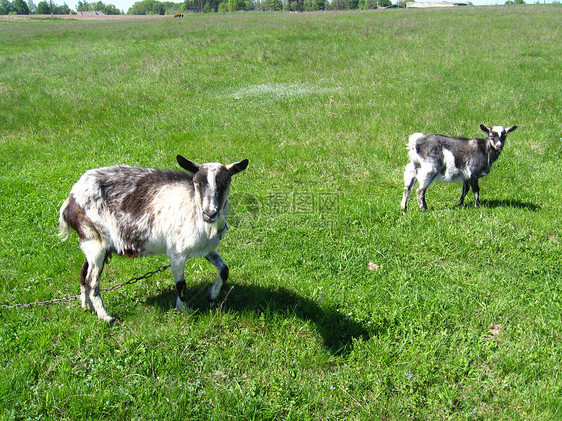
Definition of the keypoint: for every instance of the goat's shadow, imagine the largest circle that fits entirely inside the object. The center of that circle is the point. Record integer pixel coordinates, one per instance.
(509, 204)
(337, 330)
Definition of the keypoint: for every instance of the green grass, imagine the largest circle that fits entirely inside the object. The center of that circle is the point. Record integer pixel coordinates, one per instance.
(461, 318)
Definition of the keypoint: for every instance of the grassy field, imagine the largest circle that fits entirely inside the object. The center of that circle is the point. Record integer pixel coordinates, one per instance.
(337, 307)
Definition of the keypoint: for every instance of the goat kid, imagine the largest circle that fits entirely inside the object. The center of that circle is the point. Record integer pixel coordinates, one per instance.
(437, 157)
(135, 211)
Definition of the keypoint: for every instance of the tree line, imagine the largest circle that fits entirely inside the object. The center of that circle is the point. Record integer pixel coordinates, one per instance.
(22, 7)
(212, 6)
(156, 7)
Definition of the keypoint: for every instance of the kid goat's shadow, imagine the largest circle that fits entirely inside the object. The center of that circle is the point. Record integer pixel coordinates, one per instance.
(509, 204)
(337, 330)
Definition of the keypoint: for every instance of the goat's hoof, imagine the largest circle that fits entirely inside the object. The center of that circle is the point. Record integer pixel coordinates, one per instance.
(211, 301)
(181, 306)
(112, 321)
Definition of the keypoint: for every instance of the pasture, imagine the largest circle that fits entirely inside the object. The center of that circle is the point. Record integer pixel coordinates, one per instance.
(337, 305)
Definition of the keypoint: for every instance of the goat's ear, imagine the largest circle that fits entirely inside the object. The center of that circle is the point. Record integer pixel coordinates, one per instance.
(187, 165)
(237, 167)
(485, 129)
(510, 129)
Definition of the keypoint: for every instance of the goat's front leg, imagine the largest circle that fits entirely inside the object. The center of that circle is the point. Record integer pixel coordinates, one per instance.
(465, 188)
(216, 260)
(476, 191)
(177, 263)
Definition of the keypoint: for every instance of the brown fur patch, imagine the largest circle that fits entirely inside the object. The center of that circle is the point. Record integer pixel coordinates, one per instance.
(84, 273)
(76, 217)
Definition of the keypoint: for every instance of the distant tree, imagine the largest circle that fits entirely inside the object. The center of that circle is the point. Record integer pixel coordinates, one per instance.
(367, 4)
(108, 9)
(234, 5)
(61, 10)
(340, 5)
(43, 8)
(20, 7)
(200, 6)
(274, 5)
(5, 7)
(318, 4)
(385, 3)
(31, 6)
(147, 7)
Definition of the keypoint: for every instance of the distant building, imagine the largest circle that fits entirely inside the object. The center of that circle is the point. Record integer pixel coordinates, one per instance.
(435, 4)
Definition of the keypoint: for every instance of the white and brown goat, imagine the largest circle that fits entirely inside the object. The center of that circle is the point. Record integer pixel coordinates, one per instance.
(135, 211)
(452, 159)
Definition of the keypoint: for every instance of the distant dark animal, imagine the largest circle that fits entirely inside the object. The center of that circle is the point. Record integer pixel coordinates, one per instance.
(135, 211)
(437, 157)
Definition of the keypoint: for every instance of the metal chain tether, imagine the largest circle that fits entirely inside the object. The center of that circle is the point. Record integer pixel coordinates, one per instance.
(75, 297)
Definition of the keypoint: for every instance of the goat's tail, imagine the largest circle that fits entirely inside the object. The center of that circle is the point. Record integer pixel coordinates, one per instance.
(413, 139)
(64, 227)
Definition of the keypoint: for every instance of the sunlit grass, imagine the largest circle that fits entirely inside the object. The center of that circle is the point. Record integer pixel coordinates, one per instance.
(340, 307)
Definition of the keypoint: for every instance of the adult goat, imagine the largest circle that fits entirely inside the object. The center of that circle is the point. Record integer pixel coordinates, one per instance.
(134, 211)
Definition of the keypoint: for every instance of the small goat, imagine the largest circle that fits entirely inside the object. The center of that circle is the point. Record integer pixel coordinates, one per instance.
(135, 211)
(437, 157)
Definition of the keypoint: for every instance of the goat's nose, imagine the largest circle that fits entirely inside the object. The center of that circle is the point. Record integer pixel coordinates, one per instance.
(211, 214)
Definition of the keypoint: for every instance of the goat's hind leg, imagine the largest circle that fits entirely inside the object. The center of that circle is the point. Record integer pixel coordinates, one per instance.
(216, 260)
(409, 180)
(96, 256)
(84, 291)
(425, 180)
(465, 188)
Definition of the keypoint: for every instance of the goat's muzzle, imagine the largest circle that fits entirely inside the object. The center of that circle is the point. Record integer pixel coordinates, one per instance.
(497, 146)
(210, 216)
